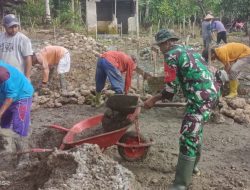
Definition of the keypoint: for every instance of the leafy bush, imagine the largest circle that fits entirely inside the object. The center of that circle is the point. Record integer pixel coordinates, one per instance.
(32, 13)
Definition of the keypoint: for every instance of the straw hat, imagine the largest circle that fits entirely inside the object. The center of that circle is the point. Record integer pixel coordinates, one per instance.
(208, 17)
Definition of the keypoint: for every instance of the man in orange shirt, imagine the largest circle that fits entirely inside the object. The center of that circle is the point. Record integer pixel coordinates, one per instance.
(111, 65)
(236, 60)
(51, 56)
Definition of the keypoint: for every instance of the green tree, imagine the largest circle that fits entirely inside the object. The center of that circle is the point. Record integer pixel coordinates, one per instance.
(32, 13)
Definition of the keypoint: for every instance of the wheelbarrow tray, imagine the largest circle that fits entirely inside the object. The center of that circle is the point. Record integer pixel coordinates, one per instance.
(103, 140)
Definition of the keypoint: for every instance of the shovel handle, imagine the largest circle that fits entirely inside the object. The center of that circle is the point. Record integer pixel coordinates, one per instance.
(170, 104)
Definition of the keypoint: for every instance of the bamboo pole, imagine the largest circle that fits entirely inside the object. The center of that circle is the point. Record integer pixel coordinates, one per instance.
(137, 20)
(184, 25)
(193, 34)
(209, 54)
(158, 26)
(54, 31)
(96, 32)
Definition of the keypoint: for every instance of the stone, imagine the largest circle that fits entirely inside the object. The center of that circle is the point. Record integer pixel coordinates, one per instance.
(236, 103)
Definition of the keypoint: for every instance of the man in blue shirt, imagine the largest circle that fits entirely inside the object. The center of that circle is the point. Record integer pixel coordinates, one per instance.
(16, 94)
(218, 26)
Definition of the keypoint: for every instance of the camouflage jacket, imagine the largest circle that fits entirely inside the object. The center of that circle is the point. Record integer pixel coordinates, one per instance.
(186, 68)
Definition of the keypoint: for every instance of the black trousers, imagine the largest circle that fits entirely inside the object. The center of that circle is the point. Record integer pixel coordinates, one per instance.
(222, 36)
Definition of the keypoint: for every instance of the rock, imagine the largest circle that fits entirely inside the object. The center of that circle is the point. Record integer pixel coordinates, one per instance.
(247, 109)
(223, 103)
(81, 100)
(154, 181)
(42, 99)
(228, 112)
(50, 104)
(236, 103)
(56, 95)
(248, 100)
(63, 100)
(58, 104)
(44, 91)
(85, 92)
(35, 106)
(218, 118)
(109, 93)
(73, 100)
(239, 111)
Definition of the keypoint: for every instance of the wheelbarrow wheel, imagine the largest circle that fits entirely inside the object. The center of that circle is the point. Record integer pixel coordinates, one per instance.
(132, 153)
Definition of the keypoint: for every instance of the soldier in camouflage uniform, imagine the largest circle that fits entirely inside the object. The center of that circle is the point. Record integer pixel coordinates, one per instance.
(187, 69)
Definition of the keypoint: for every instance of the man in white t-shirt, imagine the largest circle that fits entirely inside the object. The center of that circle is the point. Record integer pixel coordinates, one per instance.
(15, 47)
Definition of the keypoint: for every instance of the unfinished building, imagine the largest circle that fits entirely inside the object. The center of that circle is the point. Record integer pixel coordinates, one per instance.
(111, 16)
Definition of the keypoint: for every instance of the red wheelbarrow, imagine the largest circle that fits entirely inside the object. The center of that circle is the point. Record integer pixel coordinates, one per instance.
(132, 146)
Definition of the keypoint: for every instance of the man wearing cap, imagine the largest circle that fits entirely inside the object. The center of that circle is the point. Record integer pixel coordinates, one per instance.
(51, 56)
(15, 47)
(16, 94)
(206, 30)
(186, 68)
(111, 65)
(236, 60)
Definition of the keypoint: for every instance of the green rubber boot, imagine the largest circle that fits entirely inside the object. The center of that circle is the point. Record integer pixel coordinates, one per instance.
(63, 84)
(196, 170)
(97, 101)
(184, 171)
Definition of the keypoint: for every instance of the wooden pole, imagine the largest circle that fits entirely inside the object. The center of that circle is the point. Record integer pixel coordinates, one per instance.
(193, 33)
(73, 10)
(184, 25)
(121, 29)
(54, 30)
(137, 20)
(115, 17)
(96, 32)
(154, 61)
(19, 20)
(209, 54)
(115, 7)
(158, 26)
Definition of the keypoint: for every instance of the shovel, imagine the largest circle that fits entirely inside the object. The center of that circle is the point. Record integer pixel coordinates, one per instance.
(128, 103)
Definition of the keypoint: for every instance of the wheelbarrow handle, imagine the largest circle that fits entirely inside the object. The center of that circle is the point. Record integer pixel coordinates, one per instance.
(60, 128)
(163, 105)
(35, 150)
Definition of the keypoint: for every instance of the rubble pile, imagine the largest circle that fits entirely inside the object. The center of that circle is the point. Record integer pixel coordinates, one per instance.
(81, 78)
(53, 99)
(84, 167)
(83, 51)
(87, 168)
(238, 109)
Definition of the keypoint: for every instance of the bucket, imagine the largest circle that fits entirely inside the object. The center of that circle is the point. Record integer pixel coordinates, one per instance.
(155, 84)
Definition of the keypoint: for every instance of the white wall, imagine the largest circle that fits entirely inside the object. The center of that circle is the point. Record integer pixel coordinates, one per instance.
(91, 17)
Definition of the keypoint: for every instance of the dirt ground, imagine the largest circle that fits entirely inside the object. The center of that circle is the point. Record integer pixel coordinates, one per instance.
(224, 164)
(225, 160)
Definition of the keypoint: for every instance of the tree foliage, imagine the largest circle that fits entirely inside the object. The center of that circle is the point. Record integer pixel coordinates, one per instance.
(236, 9)
(32, 12)
(151, 11)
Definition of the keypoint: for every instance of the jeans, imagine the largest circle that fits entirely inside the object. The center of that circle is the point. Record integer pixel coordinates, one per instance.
(105, 70)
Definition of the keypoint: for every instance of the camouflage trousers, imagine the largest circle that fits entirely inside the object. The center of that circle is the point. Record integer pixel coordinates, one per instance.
(191, 133)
